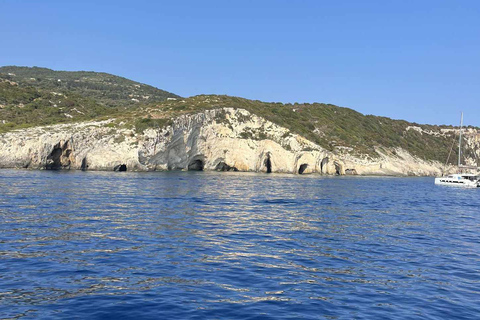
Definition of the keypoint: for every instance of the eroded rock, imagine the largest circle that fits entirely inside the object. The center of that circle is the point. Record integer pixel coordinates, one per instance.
(220, 139)
(61, 156)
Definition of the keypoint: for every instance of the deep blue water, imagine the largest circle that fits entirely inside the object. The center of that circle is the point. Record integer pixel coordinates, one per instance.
(183, 245)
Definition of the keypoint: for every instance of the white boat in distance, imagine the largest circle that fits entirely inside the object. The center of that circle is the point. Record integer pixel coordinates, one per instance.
(466, 180)
(459, 180)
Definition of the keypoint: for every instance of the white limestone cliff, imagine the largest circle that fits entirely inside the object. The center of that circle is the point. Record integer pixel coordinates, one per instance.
(220, 139)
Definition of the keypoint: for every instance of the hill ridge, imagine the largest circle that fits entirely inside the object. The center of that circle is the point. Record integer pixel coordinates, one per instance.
(108, 89)
(26, 102)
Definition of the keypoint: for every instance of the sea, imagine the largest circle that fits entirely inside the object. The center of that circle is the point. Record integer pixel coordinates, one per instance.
(229, 245)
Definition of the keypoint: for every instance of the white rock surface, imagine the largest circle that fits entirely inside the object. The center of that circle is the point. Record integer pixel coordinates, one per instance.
(215, 139)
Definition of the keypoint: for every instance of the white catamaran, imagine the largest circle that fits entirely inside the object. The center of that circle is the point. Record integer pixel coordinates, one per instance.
(466, 180)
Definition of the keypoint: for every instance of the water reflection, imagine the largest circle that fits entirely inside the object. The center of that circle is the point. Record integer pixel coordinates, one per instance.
(233, 245)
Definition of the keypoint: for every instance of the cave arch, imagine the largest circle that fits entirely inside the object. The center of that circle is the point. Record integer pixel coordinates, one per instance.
(60, 157)
(120, 168)
(84, 164)
(352, 172)
(338, 168)
(196, 165)
(302, 168)
(222, 166)
(268, 164)
(323, 165)
(54, 162)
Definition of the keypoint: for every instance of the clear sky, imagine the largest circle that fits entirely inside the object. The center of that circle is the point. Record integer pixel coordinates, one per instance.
(414, 60)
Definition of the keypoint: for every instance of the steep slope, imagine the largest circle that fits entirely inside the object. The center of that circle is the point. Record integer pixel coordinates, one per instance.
(104, 88)
(333, 128)
(339, 139)
(222, 139)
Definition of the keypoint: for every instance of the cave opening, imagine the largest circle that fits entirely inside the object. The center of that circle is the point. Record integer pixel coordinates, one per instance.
(222, 166)
(54, 162)
(323, 165)
(196, 165)
(84, 165)
(351, 172)
(59, 158)
(268, 164)
(337, 169)
(302, 168)
(120, 168)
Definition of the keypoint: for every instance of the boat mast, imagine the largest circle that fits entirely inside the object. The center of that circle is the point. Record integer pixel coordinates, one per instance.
(460, 141)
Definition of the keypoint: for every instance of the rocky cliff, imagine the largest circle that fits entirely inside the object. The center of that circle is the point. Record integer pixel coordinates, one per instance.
(219, 139)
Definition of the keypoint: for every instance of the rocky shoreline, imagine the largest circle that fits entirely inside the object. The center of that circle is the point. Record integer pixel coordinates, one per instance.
(224, 139)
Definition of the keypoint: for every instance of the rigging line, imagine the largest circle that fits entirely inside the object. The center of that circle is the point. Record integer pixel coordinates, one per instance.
(460, 141)
(451, 149)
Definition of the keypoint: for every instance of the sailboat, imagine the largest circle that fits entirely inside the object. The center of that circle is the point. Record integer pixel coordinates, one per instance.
(465, 180)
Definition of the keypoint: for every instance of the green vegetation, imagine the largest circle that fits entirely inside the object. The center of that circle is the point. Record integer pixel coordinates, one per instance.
(104, 88)
(327, 125)
(25, 107)
(141, 124)
(39, 96)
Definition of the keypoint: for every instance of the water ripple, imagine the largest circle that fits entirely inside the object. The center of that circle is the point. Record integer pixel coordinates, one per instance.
(182, 245)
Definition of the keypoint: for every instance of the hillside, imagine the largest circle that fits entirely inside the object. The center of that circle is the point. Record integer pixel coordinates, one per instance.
(106, 89)
(22, 107)
(333, 128)
(38, 96)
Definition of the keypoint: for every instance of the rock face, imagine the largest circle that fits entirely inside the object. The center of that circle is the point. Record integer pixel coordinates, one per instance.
(61, 156)
(224, 139)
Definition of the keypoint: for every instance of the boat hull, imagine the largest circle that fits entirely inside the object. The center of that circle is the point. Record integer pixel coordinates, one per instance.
(462, 183)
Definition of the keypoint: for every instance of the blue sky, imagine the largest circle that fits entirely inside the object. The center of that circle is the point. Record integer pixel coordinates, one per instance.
(413, 60)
